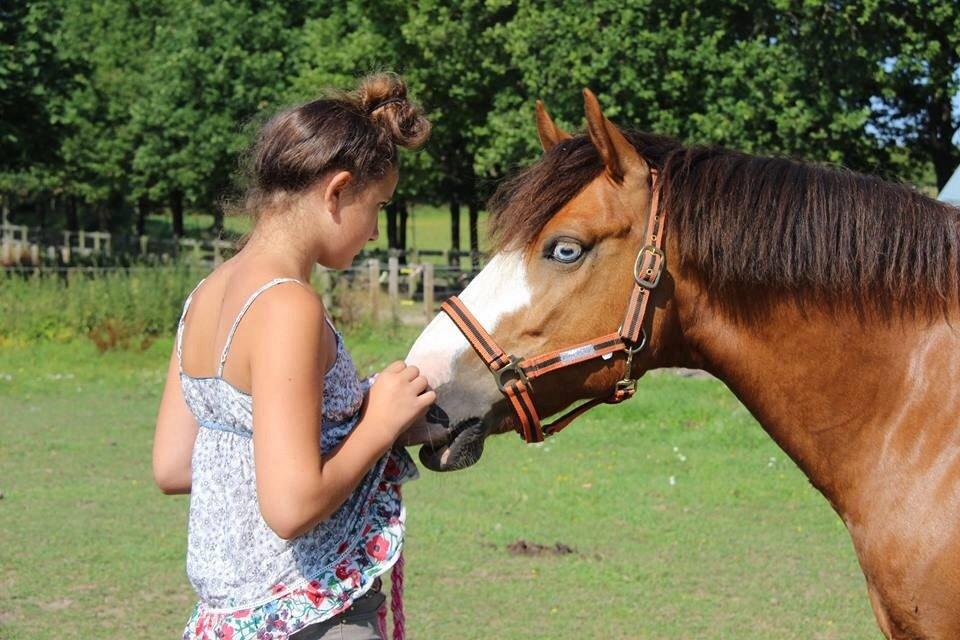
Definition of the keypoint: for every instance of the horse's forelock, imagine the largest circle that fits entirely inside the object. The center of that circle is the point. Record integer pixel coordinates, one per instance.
(525, 202)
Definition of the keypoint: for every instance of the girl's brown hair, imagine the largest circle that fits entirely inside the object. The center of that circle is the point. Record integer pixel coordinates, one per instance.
(356, 131)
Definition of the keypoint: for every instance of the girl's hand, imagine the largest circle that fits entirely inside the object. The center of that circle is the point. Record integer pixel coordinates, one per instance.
(398, 397)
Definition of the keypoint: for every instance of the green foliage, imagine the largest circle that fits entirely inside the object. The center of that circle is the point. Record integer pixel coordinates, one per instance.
(122, 104)
(114, 308)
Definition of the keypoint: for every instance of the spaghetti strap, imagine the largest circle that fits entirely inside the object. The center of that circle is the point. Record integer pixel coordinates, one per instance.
(326, 317)
(243, 311)
(183, 317)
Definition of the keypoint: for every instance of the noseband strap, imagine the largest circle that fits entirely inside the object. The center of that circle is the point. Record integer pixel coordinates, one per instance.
(514, 375)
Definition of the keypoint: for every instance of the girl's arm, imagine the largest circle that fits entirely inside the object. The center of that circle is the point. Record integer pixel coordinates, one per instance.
(295, 487)
(174, 437)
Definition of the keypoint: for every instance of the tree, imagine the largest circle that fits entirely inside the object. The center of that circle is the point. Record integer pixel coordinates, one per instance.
(213, 67)
(737, 74)
(32, 77)
(918, 71)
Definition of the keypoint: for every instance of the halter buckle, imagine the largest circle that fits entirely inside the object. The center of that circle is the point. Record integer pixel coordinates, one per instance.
(649, 278)
(514, 366)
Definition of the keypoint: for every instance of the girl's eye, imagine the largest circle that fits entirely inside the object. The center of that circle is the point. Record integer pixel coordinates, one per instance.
(566, 251)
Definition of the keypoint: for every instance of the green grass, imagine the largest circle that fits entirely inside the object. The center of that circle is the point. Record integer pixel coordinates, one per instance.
(739, 546)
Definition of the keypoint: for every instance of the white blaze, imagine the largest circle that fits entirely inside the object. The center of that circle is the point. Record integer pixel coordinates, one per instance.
(500, 288)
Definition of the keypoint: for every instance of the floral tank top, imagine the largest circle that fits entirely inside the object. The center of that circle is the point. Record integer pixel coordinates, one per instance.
(251, 583)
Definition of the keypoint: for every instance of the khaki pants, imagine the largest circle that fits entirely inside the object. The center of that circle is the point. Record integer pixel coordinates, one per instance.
(359, 622)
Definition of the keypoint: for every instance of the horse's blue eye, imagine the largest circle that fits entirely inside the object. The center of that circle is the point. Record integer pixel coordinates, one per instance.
(566, 252)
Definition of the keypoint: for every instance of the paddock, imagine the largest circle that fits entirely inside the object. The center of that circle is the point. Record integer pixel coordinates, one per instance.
(676, 516)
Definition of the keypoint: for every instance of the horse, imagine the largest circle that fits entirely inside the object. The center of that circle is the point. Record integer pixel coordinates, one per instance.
(826, 300)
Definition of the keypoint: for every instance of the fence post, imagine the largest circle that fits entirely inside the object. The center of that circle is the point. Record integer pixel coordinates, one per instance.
(66, 254)
(144, 245)
(412, 279)
(393, 285)
(373, 270)
(35, 255)
(6, 251)
(108, 239)
(96, 241)
(428, 290)
(82, 241)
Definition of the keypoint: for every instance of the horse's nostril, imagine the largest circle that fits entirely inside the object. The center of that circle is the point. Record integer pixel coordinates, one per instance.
(436, 415)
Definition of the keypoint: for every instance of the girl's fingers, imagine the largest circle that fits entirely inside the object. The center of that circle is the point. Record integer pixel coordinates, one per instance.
(411, 373)
(395, 367)
(419, 384)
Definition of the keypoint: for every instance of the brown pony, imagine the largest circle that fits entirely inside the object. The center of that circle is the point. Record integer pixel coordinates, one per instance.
(826, 300)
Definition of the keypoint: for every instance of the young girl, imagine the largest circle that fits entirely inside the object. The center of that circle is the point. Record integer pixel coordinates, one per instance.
(295, 508)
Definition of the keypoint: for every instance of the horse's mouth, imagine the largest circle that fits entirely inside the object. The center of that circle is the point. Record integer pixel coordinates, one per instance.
(463, 448)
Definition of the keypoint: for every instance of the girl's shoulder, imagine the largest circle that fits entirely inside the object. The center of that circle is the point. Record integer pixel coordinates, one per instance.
(235, 311)
(242, 288)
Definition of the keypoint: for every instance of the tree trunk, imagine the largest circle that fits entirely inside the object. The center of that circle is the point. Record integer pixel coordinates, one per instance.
(43, 208)
(73, 220)
(474, 238)
(142, 205)
(402, 230)
(217, 227)
(103, 217)
(176, 210)
(454, 226)
(392, 225)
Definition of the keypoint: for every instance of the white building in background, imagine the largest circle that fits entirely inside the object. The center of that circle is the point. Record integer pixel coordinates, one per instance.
(951, 190)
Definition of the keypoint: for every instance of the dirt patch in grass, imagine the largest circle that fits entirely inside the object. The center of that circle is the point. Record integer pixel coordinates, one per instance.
(523, 548)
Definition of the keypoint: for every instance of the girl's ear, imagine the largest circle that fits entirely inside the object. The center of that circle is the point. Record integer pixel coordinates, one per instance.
(333, 193)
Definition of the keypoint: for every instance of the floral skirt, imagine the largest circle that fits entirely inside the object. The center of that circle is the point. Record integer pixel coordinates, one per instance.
(324, 596)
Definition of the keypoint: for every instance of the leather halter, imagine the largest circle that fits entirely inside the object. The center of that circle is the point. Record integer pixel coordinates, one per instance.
(629, 338)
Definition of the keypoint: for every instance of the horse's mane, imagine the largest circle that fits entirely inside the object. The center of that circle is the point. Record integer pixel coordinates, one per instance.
(764, 224)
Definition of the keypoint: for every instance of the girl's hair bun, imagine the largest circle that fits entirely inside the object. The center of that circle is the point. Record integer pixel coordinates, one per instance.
(383, 97)
(356, 131)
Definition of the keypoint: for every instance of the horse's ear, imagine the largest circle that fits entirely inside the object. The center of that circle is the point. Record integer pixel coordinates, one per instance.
(550, 134)
(619, 156)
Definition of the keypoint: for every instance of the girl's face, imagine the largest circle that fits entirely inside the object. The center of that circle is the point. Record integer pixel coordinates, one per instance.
(359, 215)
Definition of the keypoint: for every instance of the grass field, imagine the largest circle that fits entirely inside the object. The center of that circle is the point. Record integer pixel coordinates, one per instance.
(685, 519)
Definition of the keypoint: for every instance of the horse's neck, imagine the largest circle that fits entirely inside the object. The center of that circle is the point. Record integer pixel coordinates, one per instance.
(843, 396)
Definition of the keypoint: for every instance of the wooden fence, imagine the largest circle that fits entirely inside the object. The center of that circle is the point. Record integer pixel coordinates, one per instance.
(403, 286)
(25, 246)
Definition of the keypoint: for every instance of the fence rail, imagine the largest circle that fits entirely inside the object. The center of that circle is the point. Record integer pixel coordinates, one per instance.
(27, 246)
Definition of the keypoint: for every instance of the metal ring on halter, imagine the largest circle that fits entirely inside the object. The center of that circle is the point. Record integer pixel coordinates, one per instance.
(513, 366)
(640, 345)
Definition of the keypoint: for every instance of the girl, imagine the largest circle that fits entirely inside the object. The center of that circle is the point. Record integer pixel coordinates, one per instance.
(295, 508)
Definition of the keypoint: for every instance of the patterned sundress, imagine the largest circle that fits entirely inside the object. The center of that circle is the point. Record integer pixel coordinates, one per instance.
(252, 584)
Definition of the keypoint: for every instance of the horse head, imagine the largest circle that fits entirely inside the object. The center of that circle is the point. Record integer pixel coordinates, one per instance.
(567, 233)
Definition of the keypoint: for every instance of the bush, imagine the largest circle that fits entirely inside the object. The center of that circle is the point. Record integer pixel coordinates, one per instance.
(119, 307)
